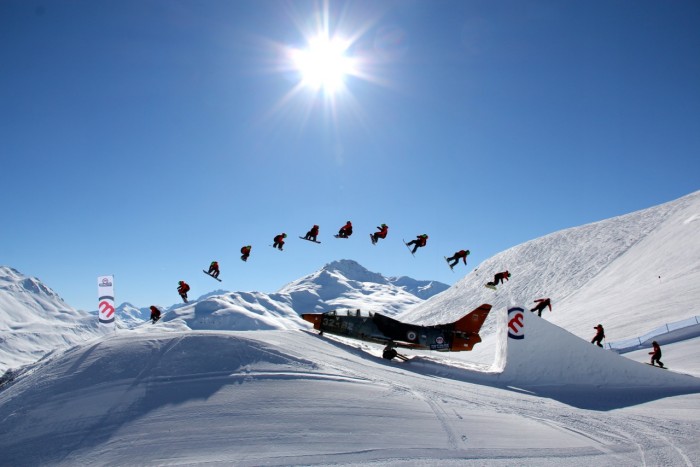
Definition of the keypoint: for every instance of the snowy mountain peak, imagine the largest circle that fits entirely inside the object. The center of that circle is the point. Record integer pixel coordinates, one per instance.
(16, 282)
(352, 270)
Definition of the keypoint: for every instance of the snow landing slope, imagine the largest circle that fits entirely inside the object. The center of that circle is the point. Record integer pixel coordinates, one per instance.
(161, 395)
(631, 273)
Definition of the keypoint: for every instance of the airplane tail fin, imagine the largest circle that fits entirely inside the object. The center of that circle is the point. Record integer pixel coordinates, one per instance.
(466, 329)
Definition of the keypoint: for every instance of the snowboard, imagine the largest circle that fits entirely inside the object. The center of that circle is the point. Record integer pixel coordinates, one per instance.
(309, 240)
(662, 367)
(409, 248)
(280, 249)
(205, 272)
(489, 286)
(371, 239)
(338, 236)
(448, 263)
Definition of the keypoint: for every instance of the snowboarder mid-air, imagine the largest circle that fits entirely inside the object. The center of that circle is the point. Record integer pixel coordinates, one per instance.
(279, 241)
(213, 269)
(656, 354)
(245, 252)
(383, 230)
(182, 289)
(312, 234)
(599, 335)
(498, 278)
(419, 242)
(155, 314)
(345, 231)
(461, 254)
(542, 303)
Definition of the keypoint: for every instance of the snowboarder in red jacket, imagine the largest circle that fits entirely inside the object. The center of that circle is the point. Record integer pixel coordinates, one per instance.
(383, 230)
(419, 242)
(182, 289)
(213, 269)
(345, 231)
(312, 234)
(542, 303)
(498, 278)
(599, 335)
(155, 314)
(279, 241)
(245, 252)
(461, 254)
(656, 354)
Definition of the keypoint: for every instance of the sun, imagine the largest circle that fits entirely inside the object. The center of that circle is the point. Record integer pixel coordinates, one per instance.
(324, 64)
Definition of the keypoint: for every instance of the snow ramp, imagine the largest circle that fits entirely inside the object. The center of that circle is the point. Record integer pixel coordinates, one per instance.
(534, 355)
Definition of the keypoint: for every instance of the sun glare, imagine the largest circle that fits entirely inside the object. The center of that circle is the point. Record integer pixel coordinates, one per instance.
(324, 64)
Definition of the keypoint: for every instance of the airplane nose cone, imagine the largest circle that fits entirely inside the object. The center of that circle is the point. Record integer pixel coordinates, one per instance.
(313, 318)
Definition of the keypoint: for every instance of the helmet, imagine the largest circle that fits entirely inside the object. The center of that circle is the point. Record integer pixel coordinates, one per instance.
(284, 235)
(249, 246)
(181, 282)
(383, 225)
(469, 252)
(426, 236)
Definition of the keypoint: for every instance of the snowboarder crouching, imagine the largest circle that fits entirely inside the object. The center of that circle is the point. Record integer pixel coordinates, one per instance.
(279, 241)
(461, 254)
(345, 231)
(155, 314)
(599, 335)
(498, 278)
(542, 303)
(213, 269)
(245, 252)
(656, 354)
(419, 242)
(312, 234)
(182, 289)
(383, 230)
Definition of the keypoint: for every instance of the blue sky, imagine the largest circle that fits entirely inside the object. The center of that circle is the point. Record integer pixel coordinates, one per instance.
(146, 139)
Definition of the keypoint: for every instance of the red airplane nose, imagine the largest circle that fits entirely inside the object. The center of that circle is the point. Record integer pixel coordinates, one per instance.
(313, 318)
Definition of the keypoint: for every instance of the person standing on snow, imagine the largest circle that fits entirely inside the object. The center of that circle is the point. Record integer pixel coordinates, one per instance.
(383, 230)
(419, 242)
(245, 252)
(461, 254)
(279, 241)
(155, 314)
(213, 269)
(312, 234)
(656, 354)
(599, 335)
(182, 289)
(345, 231)
(542, 303)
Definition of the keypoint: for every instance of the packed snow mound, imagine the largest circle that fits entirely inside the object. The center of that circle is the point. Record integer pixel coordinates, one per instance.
(618, 272)
(345, 284)
(34, 320)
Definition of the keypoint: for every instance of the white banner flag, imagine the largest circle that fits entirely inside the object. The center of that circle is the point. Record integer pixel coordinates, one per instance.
(105, 291)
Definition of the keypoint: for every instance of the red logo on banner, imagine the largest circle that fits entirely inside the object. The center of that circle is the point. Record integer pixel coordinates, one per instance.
(106, 308)
(515, 323)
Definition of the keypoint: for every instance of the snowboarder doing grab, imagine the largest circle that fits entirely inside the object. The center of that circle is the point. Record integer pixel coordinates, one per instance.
(461, 254)
(542, 303)
(213, 269)
(312, 234)
(599, 335)
(182, 289)
(155, 314)
(419, 242)
(245, 252)
(383, 230)
(656, 354)
(279, 241)
(345, 231)
(498, 278)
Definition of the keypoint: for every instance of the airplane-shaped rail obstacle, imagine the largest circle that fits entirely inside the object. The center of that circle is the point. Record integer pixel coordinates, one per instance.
(458, 336)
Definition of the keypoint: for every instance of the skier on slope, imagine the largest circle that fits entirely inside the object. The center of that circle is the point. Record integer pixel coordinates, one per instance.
(498, 278)
(155, 314)
(599, 335)
(656, 354)
(245, 252)
(312, 234)
(461, 254)
(345, 231)
(213, 269)
(383, 230)
(182, 289)
(542, 303)
(279, 241)
(419, 242)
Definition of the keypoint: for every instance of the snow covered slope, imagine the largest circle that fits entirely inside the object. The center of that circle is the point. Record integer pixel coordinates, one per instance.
(35, 320)
(631, 273)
